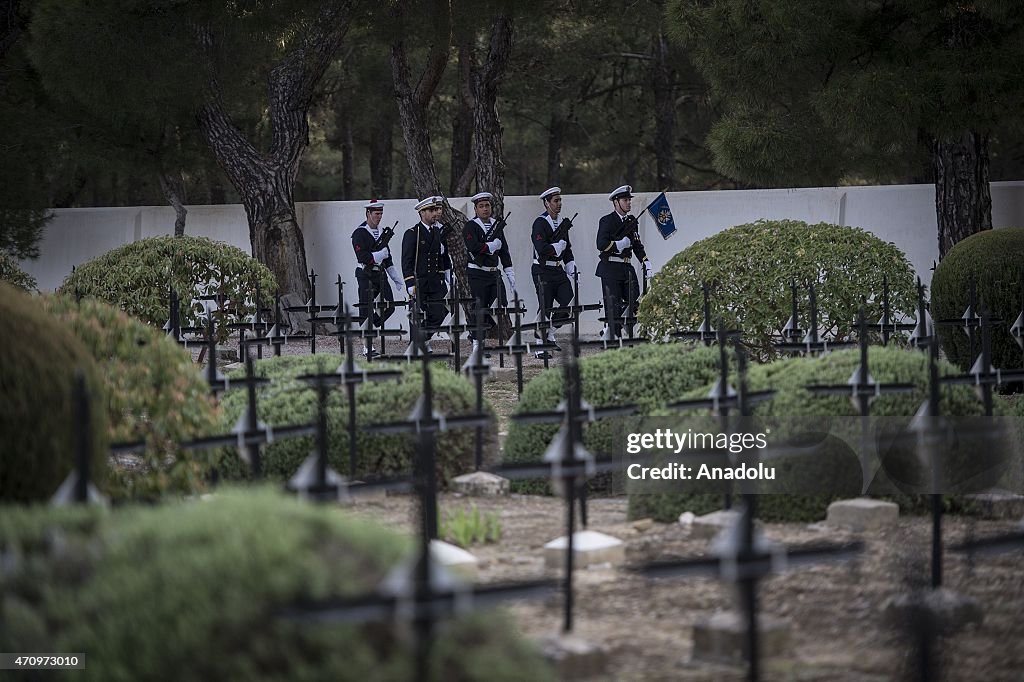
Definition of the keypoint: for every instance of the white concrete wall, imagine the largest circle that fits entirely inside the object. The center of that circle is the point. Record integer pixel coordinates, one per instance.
(902, 214)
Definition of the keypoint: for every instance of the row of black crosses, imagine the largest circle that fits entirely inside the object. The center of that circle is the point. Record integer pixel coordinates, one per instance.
(745, 559)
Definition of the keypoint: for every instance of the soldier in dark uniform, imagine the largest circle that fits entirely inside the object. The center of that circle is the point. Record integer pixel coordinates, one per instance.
(425, 262)
(374, 260)
(486, 256)
(618, 236)
(553, 264)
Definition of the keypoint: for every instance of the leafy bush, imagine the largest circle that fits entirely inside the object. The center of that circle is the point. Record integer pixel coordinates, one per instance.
(752, 266)
(153, 392)
(12, 273)
(789, 378)
(996, 259)
(290, 401)
(650, 376)
(37, 408)
(197, 591)
(135, 278)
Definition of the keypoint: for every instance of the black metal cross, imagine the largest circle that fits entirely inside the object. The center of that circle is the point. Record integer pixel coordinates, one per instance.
(811, 343)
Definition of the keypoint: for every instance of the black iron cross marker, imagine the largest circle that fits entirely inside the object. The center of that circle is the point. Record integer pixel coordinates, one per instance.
(311, 309)
(705, 333)
(516, 347)
(77, 488)
(924, 328)
(478, 368)
(886, 325)
(982, 375)
(811, 344)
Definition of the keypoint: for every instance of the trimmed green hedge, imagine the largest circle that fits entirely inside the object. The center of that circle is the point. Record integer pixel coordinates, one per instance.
(135, 277)
(289, 401)
(752, 266)
(154, 392)
(197, 590)
(789, 378)
(996, 259)
(38, 438)
(648, 375)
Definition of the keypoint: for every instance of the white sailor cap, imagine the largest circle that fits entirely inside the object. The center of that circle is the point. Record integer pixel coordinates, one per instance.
(429, 202)
(480, 196)
(624, 192)
(375, 205)
(549, 192)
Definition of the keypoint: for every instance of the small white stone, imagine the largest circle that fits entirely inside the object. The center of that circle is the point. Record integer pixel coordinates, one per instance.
(456, 559)
(862, 513)
(589, 548)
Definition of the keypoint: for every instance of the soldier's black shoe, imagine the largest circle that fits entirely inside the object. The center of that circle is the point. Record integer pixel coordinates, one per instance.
(543, 355)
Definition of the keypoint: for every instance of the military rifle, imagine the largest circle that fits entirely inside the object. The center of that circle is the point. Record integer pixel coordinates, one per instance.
(385, 236)
(563, 230)
(497, 230)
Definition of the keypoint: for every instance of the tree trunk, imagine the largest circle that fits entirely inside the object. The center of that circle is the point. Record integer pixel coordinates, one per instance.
(381, 149)
(347, 161)
(963, 199)
(556, 135)
(662, 84)
(172, 184)
(462, 127)
(265, 182)
(490, 164)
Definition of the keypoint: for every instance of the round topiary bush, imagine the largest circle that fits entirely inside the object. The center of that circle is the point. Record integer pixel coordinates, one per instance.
(649, 375)
(154, 393)
(135, 278)
(789, 377)
(996, 260)
(12, 273)
(751, 268)
(286, 400)
(38, 414)
(199, 591)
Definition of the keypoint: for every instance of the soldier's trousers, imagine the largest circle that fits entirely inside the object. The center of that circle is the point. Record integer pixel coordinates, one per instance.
(619, 294)
(485, 287)
(553, 286)
(371, 285)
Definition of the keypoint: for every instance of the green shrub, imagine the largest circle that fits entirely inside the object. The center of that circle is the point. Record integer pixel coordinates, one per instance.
(467, 527)
(996, 259)
(135, 277)
(650, 376)
(751, 268)
(39, 441)
(290, 401)
(12, 273)
(789, 378)
(154, 393)
(197, 591)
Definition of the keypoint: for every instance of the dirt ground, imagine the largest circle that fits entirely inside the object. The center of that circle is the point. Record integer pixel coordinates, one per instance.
(835, 610)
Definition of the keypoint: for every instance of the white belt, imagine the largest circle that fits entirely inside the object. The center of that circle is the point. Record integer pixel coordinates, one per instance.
(481, 267)
(622, 259)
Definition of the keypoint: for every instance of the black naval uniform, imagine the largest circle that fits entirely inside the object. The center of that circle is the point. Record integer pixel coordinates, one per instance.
(547, 270)
(370, 275)
(484, 271)
(424, 262)
(619, 284)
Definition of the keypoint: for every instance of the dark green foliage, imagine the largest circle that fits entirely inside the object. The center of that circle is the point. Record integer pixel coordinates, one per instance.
(996, 260)
(154, 393)
(816, 91)
(37, 409)
(135, 278)
(648, 375)
(752, 266)
(289, 401)
(12, 273)
(888, 365)
(196, 591)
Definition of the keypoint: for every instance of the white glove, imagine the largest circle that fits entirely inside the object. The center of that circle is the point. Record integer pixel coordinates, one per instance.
(570, 268)
(411, 290)
(648, 269)
(511, 276)
(622, 244)
(448, 278)
(559, 247)
(382, 255)
(395, 277)
(494, 246)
